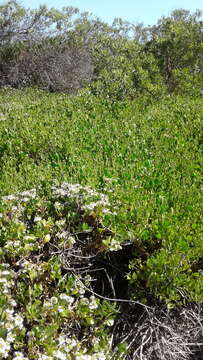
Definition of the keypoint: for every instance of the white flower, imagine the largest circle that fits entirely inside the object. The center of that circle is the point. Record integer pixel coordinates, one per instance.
(115, 245)
(28, 194)
(71, 343)
(16, 243)
(109, 322)
(62, 235)
(44, 357)
(83, 357)
(12, 302)
(73, 188)
(9, 314)
(60, 309)
(58, 205)
(5, 291)
(25, 199)
(9, 198)
(62, 340)
(10, 337)
(90, 207)
(93, 304)
(95, 340)
(3, 281)
(71, 241)
(54, 300)
(10, 325)
(5, 265)
(100, 356)
(8, 244)
(30, 237)
(88, 278)
(60, 192)
(47, 305)
(90, 191)
(66, 298)
(37, 219)
(84, 301)
(18, 321)
(106, 211)
(59, 355)
(4, 348)
(5, 273)
(19, 356)
(60, 222)
(80, 287)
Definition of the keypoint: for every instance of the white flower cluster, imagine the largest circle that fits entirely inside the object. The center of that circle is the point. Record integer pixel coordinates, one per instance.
(6, 279)
(68, 347)
(11, 321)
(4, 348)
(114, 245)
(67, 190)
(98, 356)
(24, 196)
(61, 305)
(67, 299)
(27, 266)
(82, 194)
(14, 215)
(12, 244)
(91, 302)
(65, 235)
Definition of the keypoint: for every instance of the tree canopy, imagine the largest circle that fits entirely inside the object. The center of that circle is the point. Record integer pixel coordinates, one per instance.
(65, 50)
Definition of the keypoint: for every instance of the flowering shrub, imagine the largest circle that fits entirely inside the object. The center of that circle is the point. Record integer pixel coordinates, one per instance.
(142, 243)
(48, 308)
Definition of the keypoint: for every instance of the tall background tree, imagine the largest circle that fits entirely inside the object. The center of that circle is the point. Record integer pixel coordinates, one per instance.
(176, 43)
(65, 50)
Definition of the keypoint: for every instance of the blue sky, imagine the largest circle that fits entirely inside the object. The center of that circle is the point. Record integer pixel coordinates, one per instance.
(146, 11)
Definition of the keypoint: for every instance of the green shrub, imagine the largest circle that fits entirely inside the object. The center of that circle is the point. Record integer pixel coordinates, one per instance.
(48, 309)
(145, 156)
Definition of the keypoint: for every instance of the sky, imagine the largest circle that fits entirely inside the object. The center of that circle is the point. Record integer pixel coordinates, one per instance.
(146, 11)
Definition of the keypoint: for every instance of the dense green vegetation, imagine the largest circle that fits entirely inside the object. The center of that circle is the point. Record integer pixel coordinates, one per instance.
(101, 251)
(145, 157)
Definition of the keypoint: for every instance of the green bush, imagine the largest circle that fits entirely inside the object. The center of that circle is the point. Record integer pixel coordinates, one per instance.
(48, 310)
(145, 157)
